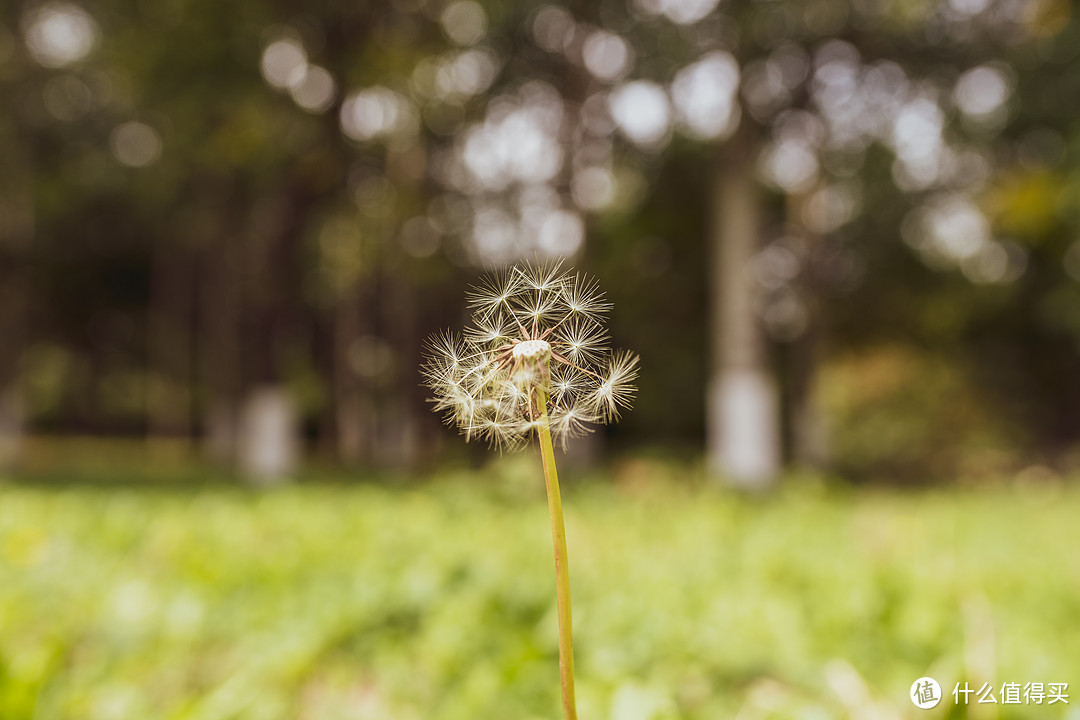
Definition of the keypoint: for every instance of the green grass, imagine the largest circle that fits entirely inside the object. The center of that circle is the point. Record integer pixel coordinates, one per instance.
(436, 600)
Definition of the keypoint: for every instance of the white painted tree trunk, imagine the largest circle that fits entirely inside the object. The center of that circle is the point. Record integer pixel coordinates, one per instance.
(744, 431)
(269, 439)
(743, 409)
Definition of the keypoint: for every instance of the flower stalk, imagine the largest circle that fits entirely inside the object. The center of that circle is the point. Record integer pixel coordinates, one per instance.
(562, 569)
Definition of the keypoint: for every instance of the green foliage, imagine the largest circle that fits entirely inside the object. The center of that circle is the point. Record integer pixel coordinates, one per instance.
(899, 413)
(324, 601)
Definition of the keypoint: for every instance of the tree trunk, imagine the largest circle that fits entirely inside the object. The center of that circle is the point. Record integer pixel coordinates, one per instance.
(809, 438)
(398, 445)
(353, 411)
(269, 423)
(219, 346)
(17, 228)
(169, 337)
(12, 330)
(743, 418)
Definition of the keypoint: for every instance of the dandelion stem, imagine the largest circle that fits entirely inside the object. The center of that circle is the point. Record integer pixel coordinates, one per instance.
(562, 571)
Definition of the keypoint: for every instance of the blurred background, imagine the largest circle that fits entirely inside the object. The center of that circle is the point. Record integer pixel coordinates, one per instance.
(842, 235)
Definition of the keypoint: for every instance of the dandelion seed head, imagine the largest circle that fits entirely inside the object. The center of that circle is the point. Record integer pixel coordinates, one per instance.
(532, 350)
(616, 390)
(572, 422)
(535, 329)
(488, 330)
(581, 340)
(585, 299)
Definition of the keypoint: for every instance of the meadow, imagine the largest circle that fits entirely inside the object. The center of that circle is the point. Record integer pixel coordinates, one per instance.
(433, 598)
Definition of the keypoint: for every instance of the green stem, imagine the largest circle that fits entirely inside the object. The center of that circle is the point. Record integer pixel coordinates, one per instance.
(562, 571)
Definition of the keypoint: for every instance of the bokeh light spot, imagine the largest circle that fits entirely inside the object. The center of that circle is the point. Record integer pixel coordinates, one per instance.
(561, 233)
(135, 144)
(376, 112)
(593, 188)
(67, 97)
(284, 63)
(790, 165)
(316, 91)
(830, 208)
(704, 95)
(462, 75)
(982, 91)
(642, 112)
(517, 142)
(551, 27)
(683, 12)
(464, 22)
(607, 56)
(59, 33)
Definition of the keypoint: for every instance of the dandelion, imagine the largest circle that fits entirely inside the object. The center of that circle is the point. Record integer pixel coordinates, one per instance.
(535, 360)
(536, 331)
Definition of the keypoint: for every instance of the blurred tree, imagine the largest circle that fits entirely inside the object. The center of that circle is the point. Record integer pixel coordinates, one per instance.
(865, 116)
(209, 203)
(16, 239)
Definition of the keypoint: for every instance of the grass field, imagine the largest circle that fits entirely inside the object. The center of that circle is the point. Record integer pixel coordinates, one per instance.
(435, 600)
